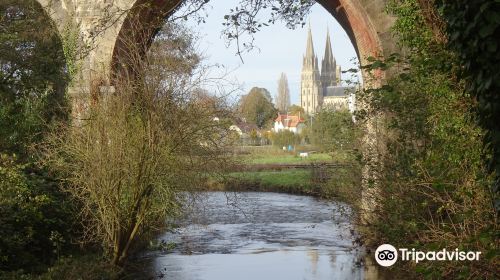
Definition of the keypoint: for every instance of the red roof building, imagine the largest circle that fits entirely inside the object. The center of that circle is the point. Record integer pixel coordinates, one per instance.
(292, 123)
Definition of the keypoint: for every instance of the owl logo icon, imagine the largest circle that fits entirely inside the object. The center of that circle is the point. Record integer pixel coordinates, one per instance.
(386, 255)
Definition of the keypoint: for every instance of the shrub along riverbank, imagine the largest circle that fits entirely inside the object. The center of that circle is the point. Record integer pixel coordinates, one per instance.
(434, 187)
(296, 181)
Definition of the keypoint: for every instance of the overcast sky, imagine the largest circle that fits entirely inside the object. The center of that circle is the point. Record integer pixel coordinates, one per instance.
(280, 49)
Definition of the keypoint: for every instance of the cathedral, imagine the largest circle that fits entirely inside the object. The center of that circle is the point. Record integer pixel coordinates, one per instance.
(319, 89)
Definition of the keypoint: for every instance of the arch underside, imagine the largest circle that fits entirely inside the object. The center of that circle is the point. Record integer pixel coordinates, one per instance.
(364, 21)
(356, 23)
(139, 27)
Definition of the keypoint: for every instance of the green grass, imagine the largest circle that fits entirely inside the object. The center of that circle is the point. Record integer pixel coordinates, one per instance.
(277, 178)
(296, 181)
(287, 181)
(273, 155)
(286, 158)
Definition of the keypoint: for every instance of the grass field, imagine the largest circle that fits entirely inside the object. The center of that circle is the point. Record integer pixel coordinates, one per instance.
(300, 177)
(273, 155)
(296, 181)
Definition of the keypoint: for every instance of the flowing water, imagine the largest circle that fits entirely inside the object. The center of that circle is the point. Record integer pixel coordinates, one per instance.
(262, 236)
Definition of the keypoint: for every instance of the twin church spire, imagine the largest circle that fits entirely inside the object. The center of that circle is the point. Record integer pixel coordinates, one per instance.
(314, 83)
(328, 64)
(310, 59)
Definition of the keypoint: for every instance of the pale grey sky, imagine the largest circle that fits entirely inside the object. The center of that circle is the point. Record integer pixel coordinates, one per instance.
(280, 49)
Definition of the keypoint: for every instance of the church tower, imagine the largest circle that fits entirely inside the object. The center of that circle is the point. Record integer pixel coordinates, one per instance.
(329, 76)
(311, 91)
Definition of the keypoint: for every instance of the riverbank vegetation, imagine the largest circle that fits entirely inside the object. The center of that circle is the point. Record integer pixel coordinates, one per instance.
(434, 189)
(37, 219)
(295, 181)
(80, 193)
(127, 161)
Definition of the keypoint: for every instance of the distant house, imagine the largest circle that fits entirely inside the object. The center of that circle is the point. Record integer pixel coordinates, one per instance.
(243, 128)
(291, 123)
(236, 129)
(249, 133)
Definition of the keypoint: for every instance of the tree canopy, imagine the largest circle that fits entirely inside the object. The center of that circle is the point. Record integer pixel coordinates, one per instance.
(256, 108)
(35, 216)
(32, 73)
(283, 94)
(296, 110)
(334, 130)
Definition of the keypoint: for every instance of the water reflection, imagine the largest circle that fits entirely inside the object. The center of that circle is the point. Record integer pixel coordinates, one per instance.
(263, 236)
(314, 257)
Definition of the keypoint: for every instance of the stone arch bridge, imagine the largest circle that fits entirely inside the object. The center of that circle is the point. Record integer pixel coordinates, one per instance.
(104, 24)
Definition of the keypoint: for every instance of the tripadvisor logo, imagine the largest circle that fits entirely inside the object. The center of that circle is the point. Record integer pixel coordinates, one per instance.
(387, 255)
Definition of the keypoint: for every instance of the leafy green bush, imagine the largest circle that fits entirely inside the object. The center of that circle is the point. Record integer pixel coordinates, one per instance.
(334, 130)
(284, 138)
(32, 74)
(83, 267)
(434, 184)
(473, 29)
(35, 218)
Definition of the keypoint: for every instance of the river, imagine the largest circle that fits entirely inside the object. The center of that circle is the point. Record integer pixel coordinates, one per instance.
(260, 236)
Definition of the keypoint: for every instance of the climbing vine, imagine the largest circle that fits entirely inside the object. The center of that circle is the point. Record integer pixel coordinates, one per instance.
(434, 183)
(473, 29)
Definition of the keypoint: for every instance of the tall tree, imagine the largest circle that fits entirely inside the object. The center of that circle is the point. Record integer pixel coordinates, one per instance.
(256, 108)
(267, 94)
(169, 135)
(283, 95)
(264, 92)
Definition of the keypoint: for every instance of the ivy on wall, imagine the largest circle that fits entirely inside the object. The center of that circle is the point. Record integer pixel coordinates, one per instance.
(473, 28)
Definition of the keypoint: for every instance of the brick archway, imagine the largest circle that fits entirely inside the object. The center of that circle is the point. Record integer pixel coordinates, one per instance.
(103, 24)
(364, 21)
